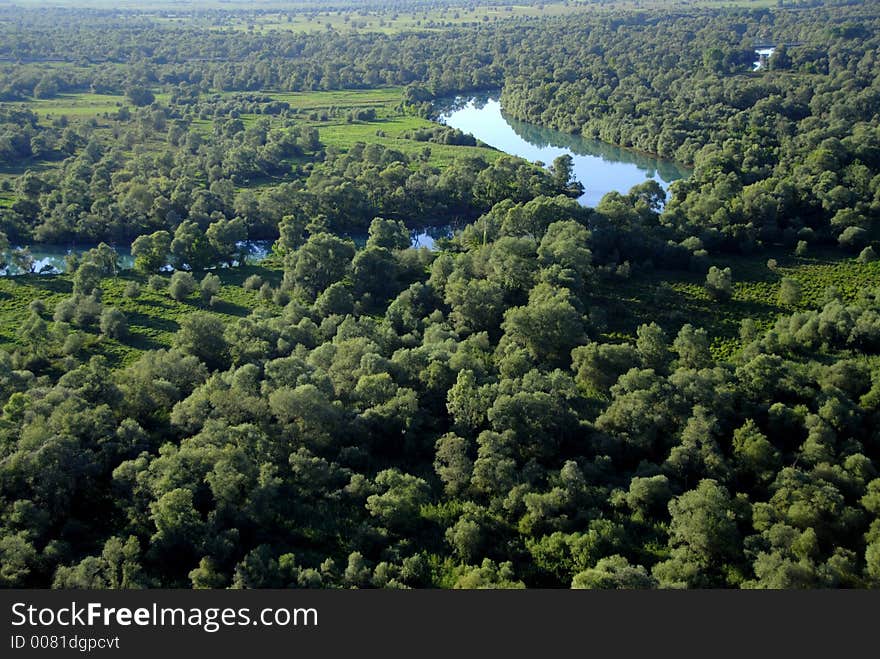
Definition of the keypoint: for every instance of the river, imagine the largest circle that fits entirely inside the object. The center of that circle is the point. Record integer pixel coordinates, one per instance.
(50, 259)
(600, 166)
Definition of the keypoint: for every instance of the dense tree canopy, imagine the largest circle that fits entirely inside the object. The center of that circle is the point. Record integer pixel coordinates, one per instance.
(372, 415)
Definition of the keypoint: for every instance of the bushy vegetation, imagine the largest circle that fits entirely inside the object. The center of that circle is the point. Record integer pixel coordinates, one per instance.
(656, 392)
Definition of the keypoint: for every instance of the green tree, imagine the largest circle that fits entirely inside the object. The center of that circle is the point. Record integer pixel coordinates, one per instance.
(613, 572)
(190, 248)
(703, 536)
(181, 285)
(548, 327)
(114, 323)
(324, 259)
(452, 463)
(201, 335)
(390, 234)
(719, 283)
(151, 252)
(86, 279)
(226, 238)
(789, 291)
(209, 287)
(400, 501)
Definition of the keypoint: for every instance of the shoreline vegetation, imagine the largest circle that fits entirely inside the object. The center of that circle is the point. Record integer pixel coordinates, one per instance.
(667, 389)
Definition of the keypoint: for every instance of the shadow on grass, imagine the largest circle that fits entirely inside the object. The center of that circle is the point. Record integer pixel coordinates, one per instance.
(228, 309)
(49, 283)
(152, 322)
(142, 342)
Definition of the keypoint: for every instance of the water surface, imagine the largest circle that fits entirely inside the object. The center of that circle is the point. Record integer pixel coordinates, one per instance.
(600, 166)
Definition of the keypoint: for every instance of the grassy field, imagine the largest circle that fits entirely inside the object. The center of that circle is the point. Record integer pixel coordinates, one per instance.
(673, 298)
(669, 298)
(335, 130)
(313, 19)
(76, 106)
(386, 129)
(153, 316)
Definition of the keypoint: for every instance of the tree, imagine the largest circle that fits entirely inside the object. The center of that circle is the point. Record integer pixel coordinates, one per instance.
(489, 575)
(390, 234)
(323, 260)
(4, 249)
(565, 256)
(374, 271)
(401, 499)
(139, 95)
(105, 257)
(179, 527)
(114, 323)
(719, 283)
(226, 238)
(867, 255)
(335, 300)
(652, 344)
(477, 304)
(703, 536)
(151, 251)
(853, 238)
(201, 335)
(755, 457)
(599, 365)
(209, 287)
(562, 173)
(548, 327)
(23, 260)
(118, 566)
(697, 453)
(648, 497)
(292, 230)
(789, 291)
(18, 560)
(190, 248)
(86, 279)
(181, 285)
(613, 572)
(452, 464)
(692, 346)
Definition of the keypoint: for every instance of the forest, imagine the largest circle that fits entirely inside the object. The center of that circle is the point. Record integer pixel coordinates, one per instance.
(671, 389)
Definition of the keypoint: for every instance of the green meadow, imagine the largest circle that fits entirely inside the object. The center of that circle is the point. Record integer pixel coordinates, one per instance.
(674, 298)
(153, 316)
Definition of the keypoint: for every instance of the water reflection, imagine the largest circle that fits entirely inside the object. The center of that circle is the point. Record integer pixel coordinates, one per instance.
(52, 259)
(600, 166)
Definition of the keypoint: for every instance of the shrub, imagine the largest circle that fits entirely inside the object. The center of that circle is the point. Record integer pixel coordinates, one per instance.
(853, 238)
(87, 311)
(867, 255)
(114, 323)
(132, 290)
(182, 284)
(209, 287)
(73, 343)
(64, 310)
(253, 283)
(790, 291)
(719, 283)
(156, 282)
